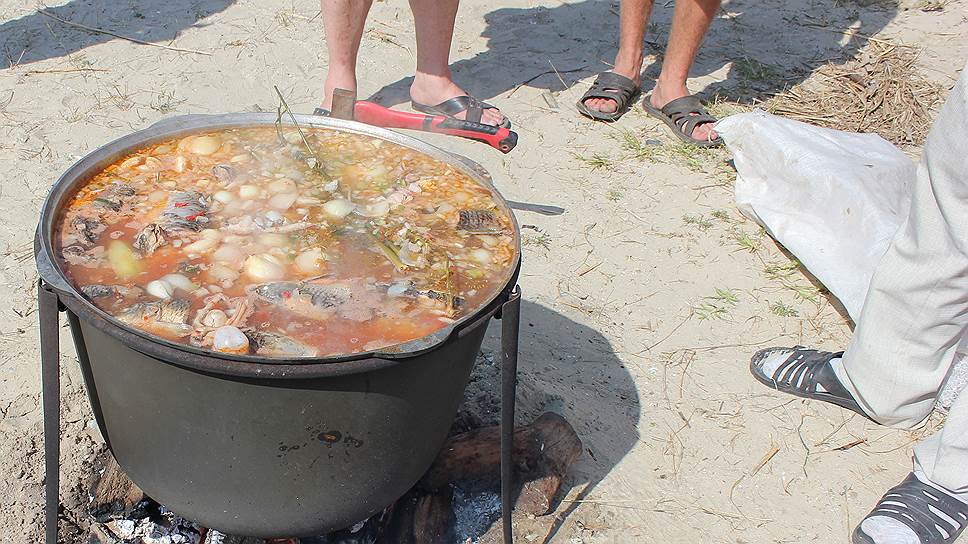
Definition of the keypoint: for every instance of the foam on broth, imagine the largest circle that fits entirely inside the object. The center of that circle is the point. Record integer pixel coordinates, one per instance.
(255, 241)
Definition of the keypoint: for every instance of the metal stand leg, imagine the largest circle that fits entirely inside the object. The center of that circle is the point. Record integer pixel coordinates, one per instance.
(510, 314)
(49, 306)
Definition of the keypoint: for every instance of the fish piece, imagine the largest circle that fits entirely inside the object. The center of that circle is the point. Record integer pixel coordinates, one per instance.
(165, 318)
(270, 344)
(89, 228)
(86, 257)
(353, 301)
(103, 291)
(248, 225)
(113, 197)
(238, 308)
(185, 210)
(224, 173)
(408, 289)
(149, 239)
(305, 299)
(452, 301)
(478, 222)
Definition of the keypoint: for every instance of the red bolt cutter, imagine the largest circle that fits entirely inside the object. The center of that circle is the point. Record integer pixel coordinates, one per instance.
(345, 106)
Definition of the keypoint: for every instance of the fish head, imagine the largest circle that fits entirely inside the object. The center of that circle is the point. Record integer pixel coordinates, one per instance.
(278, 345)
(277, 291)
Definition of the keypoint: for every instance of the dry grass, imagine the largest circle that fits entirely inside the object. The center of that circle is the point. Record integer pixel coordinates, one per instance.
(879, 91)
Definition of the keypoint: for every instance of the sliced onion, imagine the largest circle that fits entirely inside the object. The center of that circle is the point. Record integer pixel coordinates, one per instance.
(229, 254)
(482, 256)
(211, 234)
(274, 240)
(249, 192)
(201, 246)
(488, 240)
(219, 272)
(283, 201)
(310, 261)
(264, 267)
(282, 186)
(338, 208)
(374, 209)
(229, 339)
(179, 281)
(224, 197)
(376, 171)
(215, 318)
(204, 145)
(159, 289)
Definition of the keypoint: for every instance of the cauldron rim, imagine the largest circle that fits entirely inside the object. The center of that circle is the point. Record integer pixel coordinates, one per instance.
(251, 366)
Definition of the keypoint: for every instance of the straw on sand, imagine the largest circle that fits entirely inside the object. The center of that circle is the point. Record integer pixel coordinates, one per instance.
(880, 90)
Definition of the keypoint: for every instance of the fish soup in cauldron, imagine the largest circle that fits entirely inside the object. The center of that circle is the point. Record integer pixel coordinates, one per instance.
(285, 243)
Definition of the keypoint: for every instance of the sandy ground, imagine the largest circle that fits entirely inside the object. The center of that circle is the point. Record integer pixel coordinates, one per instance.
(642, 304)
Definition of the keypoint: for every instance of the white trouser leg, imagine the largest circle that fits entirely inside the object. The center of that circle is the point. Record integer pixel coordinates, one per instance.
(917, 308)
(943, 457)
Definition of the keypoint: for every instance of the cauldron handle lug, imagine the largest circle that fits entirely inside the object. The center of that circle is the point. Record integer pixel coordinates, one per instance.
(49, 305)
(510, 316)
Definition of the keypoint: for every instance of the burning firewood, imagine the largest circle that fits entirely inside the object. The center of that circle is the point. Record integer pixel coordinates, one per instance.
(114, 495)
(543, 453)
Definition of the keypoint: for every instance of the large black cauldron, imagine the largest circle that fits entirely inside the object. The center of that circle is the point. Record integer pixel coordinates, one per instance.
(246, 445)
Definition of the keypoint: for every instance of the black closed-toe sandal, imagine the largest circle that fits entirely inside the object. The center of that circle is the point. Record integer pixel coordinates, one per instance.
(803, 372)
(933, 515)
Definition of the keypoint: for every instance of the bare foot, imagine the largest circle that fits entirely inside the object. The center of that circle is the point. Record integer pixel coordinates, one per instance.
(337, 79)
(663, 93)
(427, 89)
(628, 69)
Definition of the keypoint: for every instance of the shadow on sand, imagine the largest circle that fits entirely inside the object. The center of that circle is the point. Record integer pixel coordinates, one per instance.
(35, 36)
(570, 369)
(764, 47)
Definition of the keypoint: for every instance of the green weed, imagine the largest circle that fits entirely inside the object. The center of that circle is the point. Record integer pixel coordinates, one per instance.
(596, 160)
(783, 310)
(697, 221)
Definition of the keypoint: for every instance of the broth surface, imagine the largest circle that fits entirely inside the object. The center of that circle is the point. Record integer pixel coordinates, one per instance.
(285, 243)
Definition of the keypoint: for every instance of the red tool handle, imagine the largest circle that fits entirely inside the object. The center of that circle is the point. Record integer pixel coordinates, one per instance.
(371, 113)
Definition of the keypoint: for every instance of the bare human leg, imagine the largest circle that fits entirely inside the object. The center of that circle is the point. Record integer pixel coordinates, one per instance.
(433, 83)
(343, 21)
(633, 18)
(690, 22)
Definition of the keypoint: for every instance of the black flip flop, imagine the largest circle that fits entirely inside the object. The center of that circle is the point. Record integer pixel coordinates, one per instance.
(473, 106)
(683, 115)
(934, 516)
(805, 373)
(610, 86)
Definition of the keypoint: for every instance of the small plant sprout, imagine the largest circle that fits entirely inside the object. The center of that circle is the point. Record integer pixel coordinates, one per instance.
(783, 310)
(781, 271)
(803, 292)
(636, 147)
(697, 221)
(716, 306)
(596, 160)
(747, 241)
